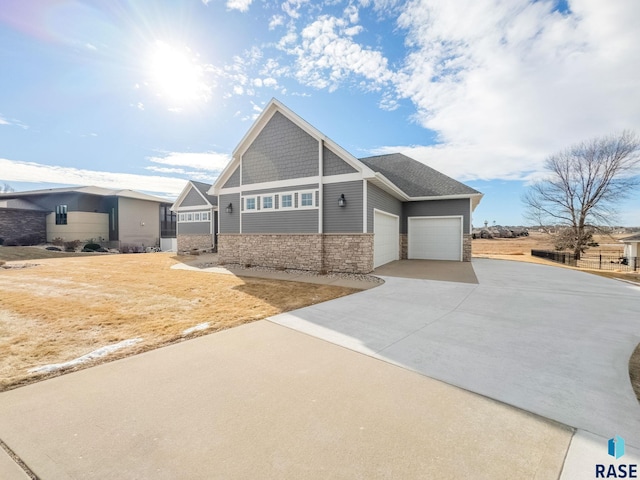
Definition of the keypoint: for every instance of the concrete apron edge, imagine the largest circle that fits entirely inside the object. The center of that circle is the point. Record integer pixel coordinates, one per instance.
(11, 465)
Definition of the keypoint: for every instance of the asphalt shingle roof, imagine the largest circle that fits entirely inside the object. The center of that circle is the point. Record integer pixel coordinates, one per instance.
(415, 178)
(203, 188)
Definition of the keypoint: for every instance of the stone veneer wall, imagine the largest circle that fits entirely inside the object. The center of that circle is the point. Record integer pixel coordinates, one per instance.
(466, 247)
(404, 246)
(298, 251)
(348, 253)
(195, 241)
(352, 253)
(16, 223)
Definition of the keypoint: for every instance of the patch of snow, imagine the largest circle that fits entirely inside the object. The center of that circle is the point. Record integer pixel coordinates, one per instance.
(101, 352)
(197, 328)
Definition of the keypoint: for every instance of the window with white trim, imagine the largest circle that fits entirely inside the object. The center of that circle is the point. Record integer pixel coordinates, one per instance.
(286, 201)
(194, 217)
(306, 199)
(267, 202)
(250, 203)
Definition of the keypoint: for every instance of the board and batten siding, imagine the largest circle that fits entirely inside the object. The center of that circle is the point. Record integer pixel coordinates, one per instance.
(234, 179)
(229, 222)
(193, 228)
(334, 165)
(381, 200)
(286, 221)
(437, 208)
(193, 199)
(281, 151)
(346, 219)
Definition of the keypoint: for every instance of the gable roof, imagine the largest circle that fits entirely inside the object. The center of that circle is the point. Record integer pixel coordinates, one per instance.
(403, 177)
(418, 181)
(89, 190)
(269, 110)
(201, 188)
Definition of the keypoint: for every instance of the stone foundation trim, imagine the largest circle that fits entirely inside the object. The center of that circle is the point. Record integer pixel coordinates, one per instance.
(349, 253)
(195, 242)
(466, 247)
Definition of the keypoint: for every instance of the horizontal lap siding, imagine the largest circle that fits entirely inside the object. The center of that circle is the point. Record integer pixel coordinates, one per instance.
(229, 222)
(289, 221)
(186, 228)
(381, 200)
(346, 219)
(281, 151)
(437, 208)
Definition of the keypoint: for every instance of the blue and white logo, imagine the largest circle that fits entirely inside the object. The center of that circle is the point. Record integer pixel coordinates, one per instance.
(616, 446)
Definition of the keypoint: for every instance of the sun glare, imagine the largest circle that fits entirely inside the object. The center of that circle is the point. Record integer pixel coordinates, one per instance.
(177, 76)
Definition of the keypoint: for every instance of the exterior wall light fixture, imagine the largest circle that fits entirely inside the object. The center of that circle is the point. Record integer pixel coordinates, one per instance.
(229, 208)
(342, 202)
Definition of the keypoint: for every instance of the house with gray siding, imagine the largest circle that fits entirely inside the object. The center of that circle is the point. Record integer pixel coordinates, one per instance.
(292, 198)
(197, 216)
(123, 219)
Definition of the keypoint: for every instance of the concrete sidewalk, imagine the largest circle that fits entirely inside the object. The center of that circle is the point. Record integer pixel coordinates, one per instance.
(263, 401)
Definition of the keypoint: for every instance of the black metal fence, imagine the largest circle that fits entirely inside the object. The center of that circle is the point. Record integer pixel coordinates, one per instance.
(592, 261)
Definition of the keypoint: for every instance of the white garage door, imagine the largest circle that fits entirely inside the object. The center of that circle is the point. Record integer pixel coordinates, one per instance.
(435, 238)
(386, 238)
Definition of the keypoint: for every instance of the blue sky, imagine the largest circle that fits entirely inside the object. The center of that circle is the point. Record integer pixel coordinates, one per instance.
(146, 94)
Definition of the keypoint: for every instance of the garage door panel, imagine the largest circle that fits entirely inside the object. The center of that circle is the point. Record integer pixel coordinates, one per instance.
(435, 238)
(385, 238)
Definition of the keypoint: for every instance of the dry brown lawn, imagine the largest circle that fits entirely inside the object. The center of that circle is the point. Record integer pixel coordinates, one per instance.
(62, 309)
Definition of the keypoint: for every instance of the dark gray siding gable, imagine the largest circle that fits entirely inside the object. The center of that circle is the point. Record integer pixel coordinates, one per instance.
(378, 198)
(234, 179)
(333, 165)
(186, 228)
(193, 199)
(346, 219)
(290, 221)
(229, 222)
(437, 208)
(281, 151)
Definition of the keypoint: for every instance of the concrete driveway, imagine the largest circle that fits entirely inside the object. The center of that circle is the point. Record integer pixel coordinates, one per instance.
(262, 401)
(549, 340)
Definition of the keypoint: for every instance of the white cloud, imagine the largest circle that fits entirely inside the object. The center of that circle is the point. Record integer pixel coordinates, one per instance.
(292, 7)
(504, 84)
(240, 5)
(276, 21)
(327, 55)
(16, 171)
(207, 161)
(13, 122)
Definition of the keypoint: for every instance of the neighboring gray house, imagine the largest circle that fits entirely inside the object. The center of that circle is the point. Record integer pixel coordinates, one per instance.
(197, 214)
(293, 198)
(116, 218)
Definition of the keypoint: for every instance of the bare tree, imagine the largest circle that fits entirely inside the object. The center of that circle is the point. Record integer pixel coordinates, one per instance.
(6, 188)
(586, 183)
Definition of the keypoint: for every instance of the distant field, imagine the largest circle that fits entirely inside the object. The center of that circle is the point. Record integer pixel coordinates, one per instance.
(522, 246)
